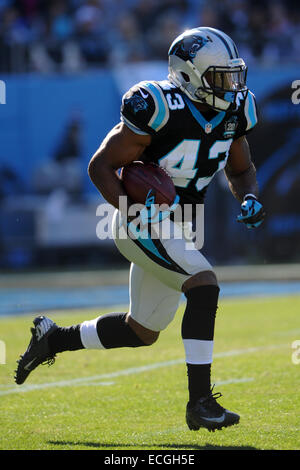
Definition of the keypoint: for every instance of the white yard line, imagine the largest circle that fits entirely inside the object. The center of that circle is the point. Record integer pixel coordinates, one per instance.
(101, 379)
(288, 333)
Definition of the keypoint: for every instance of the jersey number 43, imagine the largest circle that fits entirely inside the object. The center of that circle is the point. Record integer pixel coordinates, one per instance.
(181, 162)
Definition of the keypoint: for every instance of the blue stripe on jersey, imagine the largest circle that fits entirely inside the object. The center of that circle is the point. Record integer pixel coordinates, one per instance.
(201, 120)
(161, 105)
(251, 114)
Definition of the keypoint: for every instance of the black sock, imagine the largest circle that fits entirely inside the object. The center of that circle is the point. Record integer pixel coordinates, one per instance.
(115, 332)
(112, 329)
(198, 321)
(198, 381)
(65, 339)
(198, 324)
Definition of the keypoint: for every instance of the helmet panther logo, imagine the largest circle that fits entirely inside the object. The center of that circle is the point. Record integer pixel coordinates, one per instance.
(188, 47)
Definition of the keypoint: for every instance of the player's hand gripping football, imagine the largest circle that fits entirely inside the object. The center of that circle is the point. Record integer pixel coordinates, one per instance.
(152, 213)
(252, 212)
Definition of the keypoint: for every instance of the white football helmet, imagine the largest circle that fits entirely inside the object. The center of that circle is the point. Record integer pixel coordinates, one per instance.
(204, 63)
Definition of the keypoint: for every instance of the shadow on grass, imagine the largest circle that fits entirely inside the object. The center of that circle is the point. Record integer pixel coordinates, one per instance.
(110, 445)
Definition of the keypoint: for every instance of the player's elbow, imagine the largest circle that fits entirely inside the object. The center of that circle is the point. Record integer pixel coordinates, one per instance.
(96, 168)
(92, 168)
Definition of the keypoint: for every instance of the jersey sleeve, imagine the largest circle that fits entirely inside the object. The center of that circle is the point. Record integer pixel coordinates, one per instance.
(247, 116)
(144, 108)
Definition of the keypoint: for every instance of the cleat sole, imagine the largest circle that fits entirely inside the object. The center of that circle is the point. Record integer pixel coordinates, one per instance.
(210, 427)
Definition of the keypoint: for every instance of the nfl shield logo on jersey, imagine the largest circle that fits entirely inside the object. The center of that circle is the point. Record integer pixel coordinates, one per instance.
(208, 128)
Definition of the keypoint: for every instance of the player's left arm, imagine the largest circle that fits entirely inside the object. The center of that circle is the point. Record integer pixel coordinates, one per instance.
(240, 170)
(241, 175)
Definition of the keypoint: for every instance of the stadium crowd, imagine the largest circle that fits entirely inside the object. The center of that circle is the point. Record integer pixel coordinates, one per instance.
(70, 35)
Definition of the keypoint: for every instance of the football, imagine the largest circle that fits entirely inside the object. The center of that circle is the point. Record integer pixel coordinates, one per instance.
(138, 178)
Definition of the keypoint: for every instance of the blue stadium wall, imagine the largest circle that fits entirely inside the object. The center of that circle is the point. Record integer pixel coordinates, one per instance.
(39, 108)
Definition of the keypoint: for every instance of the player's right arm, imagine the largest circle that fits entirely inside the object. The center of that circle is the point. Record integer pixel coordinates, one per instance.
(144, 112)
(119, 148)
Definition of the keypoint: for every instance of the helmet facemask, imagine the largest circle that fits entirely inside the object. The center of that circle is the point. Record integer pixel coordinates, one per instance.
(222, 84)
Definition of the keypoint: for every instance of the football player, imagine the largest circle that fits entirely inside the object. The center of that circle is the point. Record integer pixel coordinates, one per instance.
(193, 124)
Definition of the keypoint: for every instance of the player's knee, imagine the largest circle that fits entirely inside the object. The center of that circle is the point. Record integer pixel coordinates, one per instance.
(203, 278)
(148, 337)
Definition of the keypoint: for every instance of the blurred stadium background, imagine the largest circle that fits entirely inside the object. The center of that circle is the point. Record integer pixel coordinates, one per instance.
(66, 64)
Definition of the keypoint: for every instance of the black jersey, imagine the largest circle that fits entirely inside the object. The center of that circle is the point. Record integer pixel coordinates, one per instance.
(190, 145)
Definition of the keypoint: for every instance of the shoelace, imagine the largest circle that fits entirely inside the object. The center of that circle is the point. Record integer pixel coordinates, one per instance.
(211, 402)
(49, 361)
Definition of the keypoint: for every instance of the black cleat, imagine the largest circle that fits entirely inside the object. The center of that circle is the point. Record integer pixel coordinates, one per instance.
(207, 413)
(38, 351)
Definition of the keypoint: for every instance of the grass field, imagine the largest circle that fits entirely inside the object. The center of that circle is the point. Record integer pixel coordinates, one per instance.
(136, 398)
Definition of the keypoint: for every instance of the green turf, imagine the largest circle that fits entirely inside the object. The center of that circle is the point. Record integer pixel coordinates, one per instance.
(146, 409)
